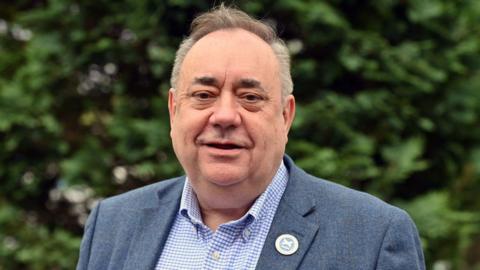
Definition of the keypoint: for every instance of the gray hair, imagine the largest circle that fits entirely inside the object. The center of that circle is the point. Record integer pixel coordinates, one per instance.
(223, 17)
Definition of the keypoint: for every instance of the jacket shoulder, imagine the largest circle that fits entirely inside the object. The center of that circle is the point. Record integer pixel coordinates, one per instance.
(148, 196)
(335, 200)
(345, 197)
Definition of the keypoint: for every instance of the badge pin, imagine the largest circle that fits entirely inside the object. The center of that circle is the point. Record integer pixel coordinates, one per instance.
(286, 244)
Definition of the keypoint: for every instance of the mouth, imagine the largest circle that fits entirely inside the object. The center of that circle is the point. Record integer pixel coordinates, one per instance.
(224, 146)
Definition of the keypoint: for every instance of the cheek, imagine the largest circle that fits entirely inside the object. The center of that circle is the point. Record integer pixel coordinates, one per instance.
(188, 125)
(267, 131)
(279, 135)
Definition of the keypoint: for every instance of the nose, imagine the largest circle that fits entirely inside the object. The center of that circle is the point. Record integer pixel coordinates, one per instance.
(225, 113)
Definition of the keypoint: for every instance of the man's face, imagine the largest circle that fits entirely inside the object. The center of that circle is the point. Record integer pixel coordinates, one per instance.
(229, 124)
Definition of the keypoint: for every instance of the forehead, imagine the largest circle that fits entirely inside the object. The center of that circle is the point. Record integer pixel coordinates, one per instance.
(231, 54)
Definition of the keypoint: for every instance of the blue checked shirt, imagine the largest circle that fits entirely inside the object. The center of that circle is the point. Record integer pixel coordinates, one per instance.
(235, 245)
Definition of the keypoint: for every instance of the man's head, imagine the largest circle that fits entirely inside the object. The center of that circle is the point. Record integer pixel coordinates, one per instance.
(229, 18)
(230, 107)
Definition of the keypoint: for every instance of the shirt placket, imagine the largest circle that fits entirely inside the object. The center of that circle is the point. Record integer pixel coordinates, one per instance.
(219, 248)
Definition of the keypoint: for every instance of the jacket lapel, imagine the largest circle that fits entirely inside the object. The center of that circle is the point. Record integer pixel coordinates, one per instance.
(291, 217)
(152, 230)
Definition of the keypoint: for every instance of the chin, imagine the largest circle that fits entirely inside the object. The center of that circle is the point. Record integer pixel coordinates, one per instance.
(219, 174)
(225, 180)
(226, 177)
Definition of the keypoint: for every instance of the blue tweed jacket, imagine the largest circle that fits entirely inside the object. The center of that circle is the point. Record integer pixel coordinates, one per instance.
(337, 228)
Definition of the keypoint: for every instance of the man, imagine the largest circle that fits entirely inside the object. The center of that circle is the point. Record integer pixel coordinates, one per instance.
(243, 204)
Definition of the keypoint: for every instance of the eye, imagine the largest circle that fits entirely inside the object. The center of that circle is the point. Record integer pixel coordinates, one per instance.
(203, 95)
(251, 98)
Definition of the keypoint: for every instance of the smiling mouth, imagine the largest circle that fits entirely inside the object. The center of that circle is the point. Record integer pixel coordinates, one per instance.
(224, 146)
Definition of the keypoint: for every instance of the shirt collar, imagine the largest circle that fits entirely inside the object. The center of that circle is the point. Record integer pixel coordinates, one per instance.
(190, 209)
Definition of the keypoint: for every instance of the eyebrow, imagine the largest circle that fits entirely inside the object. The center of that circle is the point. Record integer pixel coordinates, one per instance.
(206, 80)
(242, 83)
(249, 83)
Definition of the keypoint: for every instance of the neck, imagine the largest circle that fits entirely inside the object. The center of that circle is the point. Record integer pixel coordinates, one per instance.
(213, 218)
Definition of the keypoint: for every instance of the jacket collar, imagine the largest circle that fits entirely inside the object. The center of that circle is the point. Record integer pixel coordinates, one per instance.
(153, 227)
(292, 217)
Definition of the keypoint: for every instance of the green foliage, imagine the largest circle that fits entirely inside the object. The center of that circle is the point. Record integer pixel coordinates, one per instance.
(387, 93)
(29, 245)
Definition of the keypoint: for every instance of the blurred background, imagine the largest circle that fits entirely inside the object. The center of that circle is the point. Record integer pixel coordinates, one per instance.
(388, 96)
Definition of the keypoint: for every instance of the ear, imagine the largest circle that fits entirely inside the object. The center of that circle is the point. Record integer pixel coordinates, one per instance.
(288, 112)
(171, 105)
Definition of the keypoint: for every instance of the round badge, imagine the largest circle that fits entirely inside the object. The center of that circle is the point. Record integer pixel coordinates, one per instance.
(286, 244)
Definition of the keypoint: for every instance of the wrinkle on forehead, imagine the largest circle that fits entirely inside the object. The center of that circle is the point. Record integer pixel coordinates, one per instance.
(226, 54)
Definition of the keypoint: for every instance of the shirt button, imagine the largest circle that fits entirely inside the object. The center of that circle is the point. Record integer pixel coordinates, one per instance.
(216, 255)
(246, 233)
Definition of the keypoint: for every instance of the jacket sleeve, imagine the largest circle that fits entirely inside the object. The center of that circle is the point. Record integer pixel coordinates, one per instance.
(87, 240)
(401, 248)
